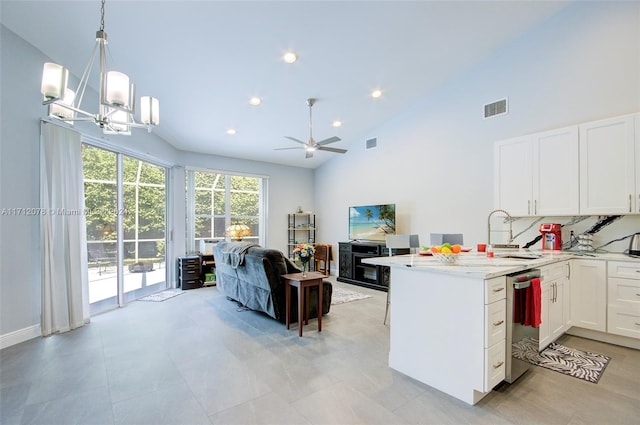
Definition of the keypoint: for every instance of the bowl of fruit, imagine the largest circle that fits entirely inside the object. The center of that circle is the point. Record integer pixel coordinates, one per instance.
(446, 253)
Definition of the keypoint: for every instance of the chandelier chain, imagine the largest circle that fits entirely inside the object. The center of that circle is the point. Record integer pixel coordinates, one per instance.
(102, 16)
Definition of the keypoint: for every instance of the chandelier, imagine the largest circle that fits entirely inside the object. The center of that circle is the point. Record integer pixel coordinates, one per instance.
(117, 105)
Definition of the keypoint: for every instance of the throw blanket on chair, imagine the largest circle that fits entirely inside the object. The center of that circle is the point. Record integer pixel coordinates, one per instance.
(234, 256)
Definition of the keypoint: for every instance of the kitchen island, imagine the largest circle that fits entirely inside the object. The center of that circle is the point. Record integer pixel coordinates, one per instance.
(448, 325)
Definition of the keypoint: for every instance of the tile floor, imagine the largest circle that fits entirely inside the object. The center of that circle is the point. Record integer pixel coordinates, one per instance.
(197, 359)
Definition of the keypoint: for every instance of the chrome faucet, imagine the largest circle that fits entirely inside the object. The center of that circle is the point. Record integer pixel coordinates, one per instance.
(489, 225)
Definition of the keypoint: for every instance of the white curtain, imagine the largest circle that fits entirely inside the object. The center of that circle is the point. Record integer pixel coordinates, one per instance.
(65, 293)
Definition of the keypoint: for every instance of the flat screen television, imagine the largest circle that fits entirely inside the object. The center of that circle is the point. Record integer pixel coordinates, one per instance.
(372, 222)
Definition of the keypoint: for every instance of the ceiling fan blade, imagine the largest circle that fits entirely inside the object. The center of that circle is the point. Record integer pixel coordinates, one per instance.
(329, 140)
(295, 140)
(336, 150)
(308, 154)
(284, 149)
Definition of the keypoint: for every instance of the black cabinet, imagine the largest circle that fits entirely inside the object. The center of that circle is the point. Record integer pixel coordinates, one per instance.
(352, 269)
(189, 272)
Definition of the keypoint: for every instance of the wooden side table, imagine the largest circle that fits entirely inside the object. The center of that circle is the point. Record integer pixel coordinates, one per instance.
(303, 283)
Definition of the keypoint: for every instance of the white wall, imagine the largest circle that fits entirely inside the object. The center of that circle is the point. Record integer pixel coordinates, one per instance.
(20, 112)
(435, 161)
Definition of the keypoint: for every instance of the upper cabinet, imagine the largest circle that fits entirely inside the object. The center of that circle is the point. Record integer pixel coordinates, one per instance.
(608, 164)
(590, 169)
(538, 174)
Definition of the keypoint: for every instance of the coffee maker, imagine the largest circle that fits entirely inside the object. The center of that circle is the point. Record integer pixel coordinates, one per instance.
(551, 236)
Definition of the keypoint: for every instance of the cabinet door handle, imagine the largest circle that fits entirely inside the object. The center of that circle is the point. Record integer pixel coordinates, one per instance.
(528, 207)
(630, 199)
(502, 289)
(535, 207)
(497, 365)
(498, 323)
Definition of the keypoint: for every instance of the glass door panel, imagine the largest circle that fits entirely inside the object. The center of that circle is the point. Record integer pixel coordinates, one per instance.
(100, 193)
(144, 228)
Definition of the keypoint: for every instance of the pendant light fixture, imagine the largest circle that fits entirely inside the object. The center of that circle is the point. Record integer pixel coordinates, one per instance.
(117, 105)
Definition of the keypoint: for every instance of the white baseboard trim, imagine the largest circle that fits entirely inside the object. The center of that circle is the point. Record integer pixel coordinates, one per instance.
(605, 337)
(21, 335)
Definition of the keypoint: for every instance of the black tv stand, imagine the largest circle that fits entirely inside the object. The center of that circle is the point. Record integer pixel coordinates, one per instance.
(351, 269)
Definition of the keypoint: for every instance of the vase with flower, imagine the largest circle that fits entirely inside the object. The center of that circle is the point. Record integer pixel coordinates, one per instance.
(304, 252)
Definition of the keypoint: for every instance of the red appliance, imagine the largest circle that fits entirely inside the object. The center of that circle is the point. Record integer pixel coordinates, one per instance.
(551, 236)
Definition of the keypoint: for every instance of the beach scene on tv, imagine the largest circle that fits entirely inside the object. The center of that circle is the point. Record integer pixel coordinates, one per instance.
(372, 222)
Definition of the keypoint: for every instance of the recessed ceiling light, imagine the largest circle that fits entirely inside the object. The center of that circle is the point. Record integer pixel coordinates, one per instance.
(290, 57)
(376, 93)
(255, 101)
(231, 131)
(337, 123)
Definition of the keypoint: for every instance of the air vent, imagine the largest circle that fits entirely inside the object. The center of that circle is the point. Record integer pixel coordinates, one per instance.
(495, 109)
(371, 143)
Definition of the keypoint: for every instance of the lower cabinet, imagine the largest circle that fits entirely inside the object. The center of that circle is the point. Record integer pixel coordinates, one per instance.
(556, 309)
(623, 312)
(589, 294)
(495, 333)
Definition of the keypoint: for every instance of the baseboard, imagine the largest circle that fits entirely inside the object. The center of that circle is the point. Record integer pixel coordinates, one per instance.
(21, 335)
(605, 337)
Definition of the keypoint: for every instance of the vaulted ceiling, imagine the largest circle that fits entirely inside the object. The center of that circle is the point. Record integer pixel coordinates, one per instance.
(204, 59)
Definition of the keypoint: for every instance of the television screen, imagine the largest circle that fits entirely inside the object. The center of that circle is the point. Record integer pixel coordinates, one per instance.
(372, 222)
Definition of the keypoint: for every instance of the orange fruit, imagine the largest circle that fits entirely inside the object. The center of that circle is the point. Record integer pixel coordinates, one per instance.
(435, 249)
(456, 249)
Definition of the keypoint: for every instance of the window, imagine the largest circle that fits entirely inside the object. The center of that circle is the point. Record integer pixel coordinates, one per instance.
(215, 201)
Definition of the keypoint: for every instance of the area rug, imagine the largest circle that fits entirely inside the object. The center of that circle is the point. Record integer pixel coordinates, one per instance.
(341, 296)
(162, 296)
(568, 361)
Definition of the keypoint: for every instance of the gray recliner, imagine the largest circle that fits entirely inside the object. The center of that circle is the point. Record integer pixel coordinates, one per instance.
(256, 281)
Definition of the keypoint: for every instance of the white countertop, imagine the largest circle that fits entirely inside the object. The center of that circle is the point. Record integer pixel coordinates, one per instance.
(478, 265)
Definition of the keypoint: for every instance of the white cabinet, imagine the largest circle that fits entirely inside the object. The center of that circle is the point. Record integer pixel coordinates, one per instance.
(538, 174)
(608, 164)
(555, 312)
(624, 299)
(448, 331)
(589, 294)
(513, 175)
(556, 172)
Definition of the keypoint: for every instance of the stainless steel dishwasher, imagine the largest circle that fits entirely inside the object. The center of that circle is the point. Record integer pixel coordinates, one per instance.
(517, 332)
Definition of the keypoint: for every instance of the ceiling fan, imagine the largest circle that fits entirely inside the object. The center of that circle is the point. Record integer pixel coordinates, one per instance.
(311, 146)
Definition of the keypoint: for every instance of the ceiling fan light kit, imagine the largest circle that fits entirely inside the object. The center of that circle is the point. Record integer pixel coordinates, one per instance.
(117, 105)
(311, 145)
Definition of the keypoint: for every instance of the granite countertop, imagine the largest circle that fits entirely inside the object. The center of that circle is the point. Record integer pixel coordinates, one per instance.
(478, 265)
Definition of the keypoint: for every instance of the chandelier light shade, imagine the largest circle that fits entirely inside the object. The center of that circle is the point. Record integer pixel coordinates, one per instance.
(117, 106)
(118, 89)
(54, 81)
(149, 110)
(64, 112)
(238, 231)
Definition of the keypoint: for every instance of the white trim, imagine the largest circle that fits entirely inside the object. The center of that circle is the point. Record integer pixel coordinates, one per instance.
(231, 173)
(21, 335)
(605, 337)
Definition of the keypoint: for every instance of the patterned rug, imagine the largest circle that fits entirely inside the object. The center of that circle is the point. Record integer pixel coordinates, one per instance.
(162, 296)
(341, 296)
(568, 361)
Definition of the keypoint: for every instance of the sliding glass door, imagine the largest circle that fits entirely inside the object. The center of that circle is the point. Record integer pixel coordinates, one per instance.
(126, 227)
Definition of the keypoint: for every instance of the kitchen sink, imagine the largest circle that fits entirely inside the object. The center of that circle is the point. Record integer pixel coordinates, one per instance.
(520, 256)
